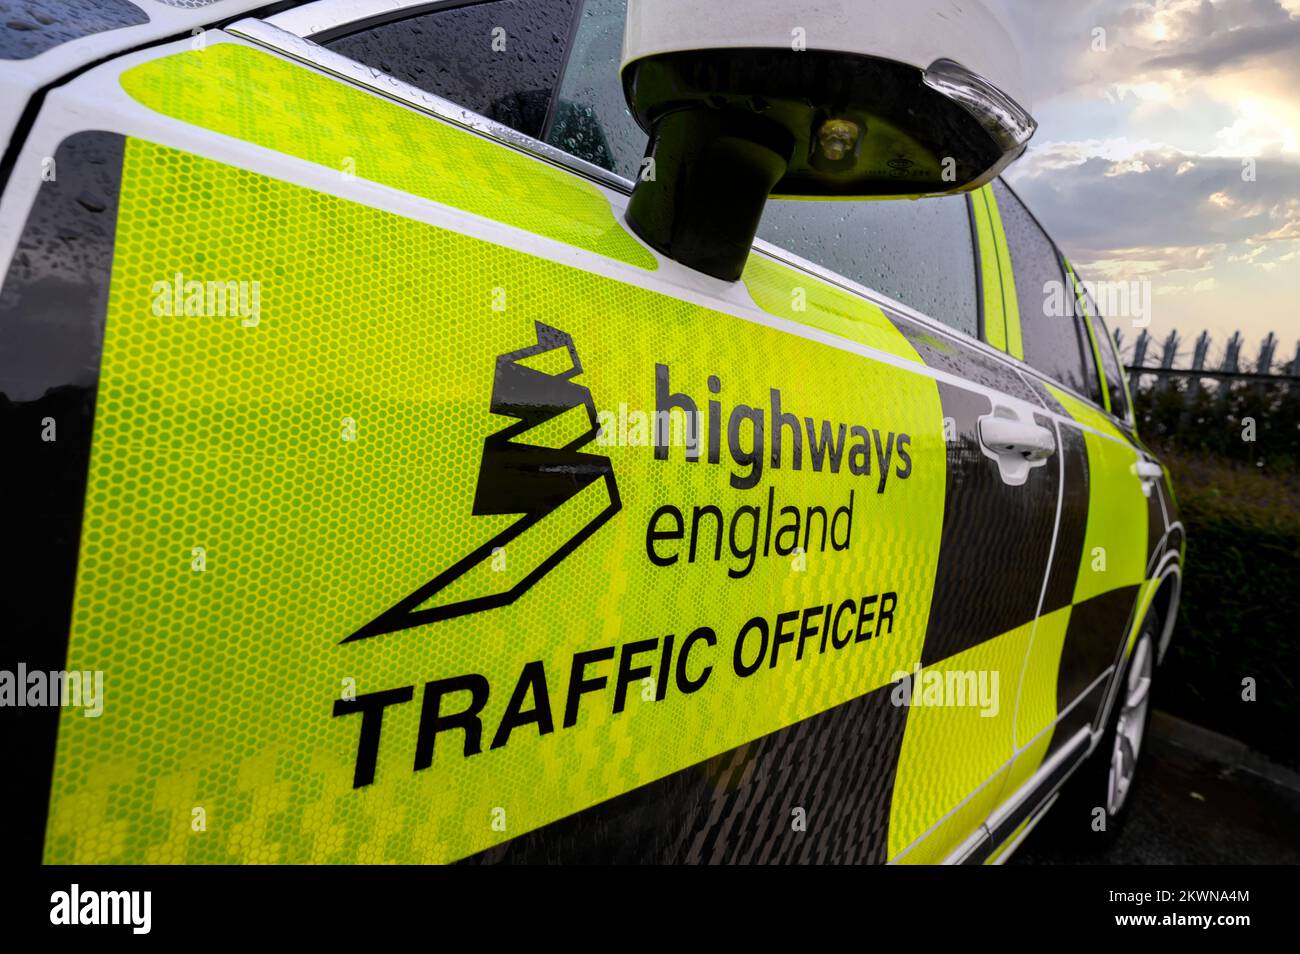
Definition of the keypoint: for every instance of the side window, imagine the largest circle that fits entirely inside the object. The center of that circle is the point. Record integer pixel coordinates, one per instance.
(591, 119)
(1054, 337)
(500, 58)
(919, 253)
(1110, 365)
(889, 246)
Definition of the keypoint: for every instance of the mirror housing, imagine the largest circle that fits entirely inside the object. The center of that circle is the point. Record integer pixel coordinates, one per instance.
(746, 99)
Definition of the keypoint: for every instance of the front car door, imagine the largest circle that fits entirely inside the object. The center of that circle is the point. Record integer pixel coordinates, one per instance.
(422, 513)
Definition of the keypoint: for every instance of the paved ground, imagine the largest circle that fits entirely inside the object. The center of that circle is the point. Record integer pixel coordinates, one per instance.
(1200, 801)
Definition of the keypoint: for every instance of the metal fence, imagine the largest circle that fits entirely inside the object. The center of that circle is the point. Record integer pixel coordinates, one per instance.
(1226, 366)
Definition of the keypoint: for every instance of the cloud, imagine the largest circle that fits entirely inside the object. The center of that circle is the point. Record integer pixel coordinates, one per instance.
(1144, 261)
(1260, 129)
(1156, 210)
(1169, 148)
(1289, 232)
(1152, 52)
(1213, 36)
(1122, 153)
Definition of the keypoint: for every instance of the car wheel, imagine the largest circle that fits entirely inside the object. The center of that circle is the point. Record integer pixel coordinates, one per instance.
(1131, 716)
(1095, 803)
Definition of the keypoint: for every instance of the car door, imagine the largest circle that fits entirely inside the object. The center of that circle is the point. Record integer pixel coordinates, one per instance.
(419, 512)
(999, 515)
(1164, 540)
(1110, 522)
(940, 259)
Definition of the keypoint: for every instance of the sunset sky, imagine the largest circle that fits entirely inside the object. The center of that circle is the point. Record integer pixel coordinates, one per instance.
(1137, 165)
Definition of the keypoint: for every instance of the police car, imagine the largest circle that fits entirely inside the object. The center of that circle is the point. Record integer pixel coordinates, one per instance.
(444, 439)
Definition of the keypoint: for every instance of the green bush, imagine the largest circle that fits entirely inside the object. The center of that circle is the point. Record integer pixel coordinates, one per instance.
(1245, 422)
(1240, 600)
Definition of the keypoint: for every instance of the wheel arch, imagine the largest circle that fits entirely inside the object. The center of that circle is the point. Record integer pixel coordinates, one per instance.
(1169, 588)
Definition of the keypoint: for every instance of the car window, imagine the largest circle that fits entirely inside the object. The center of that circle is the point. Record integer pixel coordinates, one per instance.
(591, 119)
(891, 247)
(919, 253)
(579, 107)
(1110, 365)
(500, 58)
(1054, 338)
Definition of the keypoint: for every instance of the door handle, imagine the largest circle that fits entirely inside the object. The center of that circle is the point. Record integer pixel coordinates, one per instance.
(1148, 471)
(1024, 439)
(1017, 446)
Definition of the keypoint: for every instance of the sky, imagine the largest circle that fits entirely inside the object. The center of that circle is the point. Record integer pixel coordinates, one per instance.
(1168, 151)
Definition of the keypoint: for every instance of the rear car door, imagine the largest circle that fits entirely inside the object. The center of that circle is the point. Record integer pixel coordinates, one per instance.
(998, 523)
(1110, 522)
(419, 512)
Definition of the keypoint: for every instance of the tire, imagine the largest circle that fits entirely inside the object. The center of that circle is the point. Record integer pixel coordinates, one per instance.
(1104, 786)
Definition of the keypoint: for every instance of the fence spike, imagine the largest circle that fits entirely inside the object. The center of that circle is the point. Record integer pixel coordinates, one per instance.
(1139, 360)
(1167, 358)
(1233, 352)
(1266, 349)
(1198, 360)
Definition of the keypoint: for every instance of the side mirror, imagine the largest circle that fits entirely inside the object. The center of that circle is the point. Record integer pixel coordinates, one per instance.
(745, 99)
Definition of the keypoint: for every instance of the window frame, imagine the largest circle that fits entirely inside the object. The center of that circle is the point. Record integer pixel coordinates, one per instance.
(328, 20)
(1098, 322)
(979, 269)
(1128, 416)
(297, 44)
(1080, 326)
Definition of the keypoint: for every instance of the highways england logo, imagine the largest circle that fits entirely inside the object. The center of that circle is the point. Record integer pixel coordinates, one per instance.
(534, 468)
